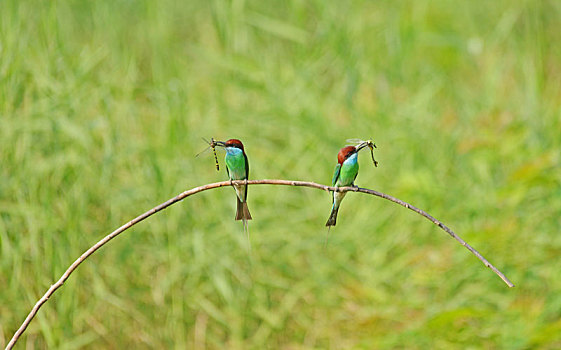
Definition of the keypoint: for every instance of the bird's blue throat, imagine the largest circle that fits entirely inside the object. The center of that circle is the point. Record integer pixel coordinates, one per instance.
(233, 151)
(351, 160)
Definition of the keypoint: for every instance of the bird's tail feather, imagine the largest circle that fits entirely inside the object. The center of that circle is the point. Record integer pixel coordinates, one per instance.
(333, 217)
(327, 237)
(242, 211)
(246, 229)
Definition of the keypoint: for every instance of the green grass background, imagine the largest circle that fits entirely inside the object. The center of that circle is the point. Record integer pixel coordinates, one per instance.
(102, 108)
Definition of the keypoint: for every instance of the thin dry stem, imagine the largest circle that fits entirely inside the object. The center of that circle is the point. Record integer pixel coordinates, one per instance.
(195, 190)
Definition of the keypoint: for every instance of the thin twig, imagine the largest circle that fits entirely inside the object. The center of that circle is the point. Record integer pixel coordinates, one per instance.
(195, 190)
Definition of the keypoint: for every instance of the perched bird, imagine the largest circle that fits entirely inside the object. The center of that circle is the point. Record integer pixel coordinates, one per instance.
(237, 167)
(345, 174)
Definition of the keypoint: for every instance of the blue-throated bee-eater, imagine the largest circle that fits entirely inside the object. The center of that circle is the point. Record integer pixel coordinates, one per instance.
(237, 167)
(345, 174)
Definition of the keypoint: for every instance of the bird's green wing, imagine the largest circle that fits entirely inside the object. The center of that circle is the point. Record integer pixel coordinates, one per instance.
(246, 173)
(336, 174)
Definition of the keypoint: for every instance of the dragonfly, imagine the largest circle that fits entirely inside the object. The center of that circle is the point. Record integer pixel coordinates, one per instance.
(211, 144)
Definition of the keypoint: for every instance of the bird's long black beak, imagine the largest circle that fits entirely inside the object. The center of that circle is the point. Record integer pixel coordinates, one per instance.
(219, 143)
(370, 145)
(363, 144)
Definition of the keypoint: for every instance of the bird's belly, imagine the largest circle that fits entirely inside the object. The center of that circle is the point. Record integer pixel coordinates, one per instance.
(345, 180)
(237, 174)
(337, 198)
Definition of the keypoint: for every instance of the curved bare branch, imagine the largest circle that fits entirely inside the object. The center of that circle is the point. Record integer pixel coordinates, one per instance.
(195, 190)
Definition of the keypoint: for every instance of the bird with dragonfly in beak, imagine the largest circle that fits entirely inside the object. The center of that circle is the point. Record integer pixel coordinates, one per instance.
(345, 173)
(237, 168)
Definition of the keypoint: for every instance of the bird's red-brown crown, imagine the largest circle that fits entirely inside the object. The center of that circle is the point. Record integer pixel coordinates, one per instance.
(234, 143)
(345, 153)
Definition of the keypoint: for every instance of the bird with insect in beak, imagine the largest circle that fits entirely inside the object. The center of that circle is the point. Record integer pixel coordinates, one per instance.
(237, 168)
(345, 174)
